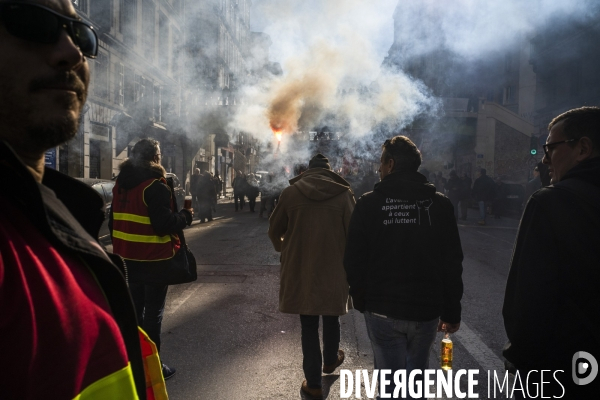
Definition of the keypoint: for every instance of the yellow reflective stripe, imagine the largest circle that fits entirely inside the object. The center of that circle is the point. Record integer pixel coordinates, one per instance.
(131, 217)
(116, 386)
(130, 237)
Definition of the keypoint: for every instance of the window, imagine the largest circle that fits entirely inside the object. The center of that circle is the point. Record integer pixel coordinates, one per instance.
(128, 22)
(163, 42)
(508, 95)
(149, 24)
(101, 76)
(129, 87)
(120, 84)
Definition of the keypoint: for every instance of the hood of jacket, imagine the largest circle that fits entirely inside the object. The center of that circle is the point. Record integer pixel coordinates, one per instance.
(405, 184)
(320, 184)
(135, 172)
(588, 170)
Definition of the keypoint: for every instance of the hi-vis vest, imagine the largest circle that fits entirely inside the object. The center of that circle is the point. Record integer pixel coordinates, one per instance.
(133, 235)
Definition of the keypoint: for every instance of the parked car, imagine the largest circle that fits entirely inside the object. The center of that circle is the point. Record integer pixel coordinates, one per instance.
(179, 189)
(104, 187)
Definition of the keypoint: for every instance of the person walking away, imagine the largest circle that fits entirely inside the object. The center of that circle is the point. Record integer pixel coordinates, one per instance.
(552, 302)
(453, 189)
(206, 197)
(465, 196)
(218, 184)
(484, 192)
(406, 291)
(215, 183)
(144, 225)
(313, 283)
(440, 183)
(267, 202)
(67, 323)
(238, 190)
(252, 191)
(195, 188)
(500, 203)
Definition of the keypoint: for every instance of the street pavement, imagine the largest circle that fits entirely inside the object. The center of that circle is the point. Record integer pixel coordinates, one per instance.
(227, 339)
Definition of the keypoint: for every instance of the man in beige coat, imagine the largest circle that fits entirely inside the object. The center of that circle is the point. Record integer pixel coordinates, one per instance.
(309, 228)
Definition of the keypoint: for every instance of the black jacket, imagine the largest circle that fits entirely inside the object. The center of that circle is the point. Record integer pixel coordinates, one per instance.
(484, 189)
(552, 302)
(70, 228)
(163, 219)
(403, 255)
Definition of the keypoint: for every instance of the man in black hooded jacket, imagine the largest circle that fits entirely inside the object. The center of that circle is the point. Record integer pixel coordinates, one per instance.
(552, 301)
(406, 290)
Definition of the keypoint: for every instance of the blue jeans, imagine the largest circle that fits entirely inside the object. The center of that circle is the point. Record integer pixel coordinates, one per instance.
(482, 210)
(149, 304)
(399, 344)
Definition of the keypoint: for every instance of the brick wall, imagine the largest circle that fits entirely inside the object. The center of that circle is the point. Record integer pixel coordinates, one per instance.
(511, 154)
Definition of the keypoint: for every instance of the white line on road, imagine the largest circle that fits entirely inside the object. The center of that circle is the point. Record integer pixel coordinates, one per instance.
(479, 351)
(187, 293)
(496, 238)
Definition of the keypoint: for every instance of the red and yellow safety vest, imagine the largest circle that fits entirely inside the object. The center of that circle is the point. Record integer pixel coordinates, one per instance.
(133, 236)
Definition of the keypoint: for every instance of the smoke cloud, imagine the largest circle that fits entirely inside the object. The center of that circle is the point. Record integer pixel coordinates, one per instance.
(331, 53)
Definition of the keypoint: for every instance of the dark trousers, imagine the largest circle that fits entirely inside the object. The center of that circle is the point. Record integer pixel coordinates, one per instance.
(313, 361)
(267, 202)
(252, 203)
(240, 197)
(204, 210)
(149, 303)
(463, 208)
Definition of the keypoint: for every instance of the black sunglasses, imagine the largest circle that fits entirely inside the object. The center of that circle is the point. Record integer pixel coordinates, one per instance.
(546, 146)
(40, 24)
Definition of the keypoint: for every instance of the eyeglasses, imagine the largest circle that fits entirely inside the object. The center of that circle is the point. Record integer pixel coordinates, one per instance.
(40, 24)
(546, 146)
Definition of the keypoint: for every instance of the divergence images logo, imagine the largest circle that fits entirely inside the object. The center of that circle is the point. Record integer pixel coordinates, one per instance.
(580, 367)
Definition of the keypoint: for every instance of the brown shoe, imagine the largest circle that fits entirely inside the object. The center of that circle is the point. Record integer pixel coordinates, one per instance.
(328, 369)
(311, 393)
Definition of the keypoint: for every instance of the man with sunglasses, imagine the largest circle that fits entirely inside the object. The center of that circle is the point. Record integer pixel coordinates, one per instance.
(67, 324)
(552, 301)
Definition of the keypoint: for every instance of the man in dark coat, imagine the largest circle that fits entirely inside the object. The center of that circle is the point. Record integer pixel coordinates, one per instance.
(453, 191)
(484, 192)
(465, 196)
(206, 197)
(552, 301)
(239, 190)
(194, 187)
(406, 291)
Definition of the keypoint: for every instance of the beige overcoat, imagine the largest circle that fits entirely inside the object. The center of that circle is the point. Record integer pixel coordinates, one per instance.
(309, 228)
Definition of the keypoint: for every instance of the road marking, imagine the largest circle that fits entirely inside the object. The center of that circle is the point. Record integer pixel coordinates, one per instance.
(479, 351)
(496, 238)
(182, 298)
(488, 227)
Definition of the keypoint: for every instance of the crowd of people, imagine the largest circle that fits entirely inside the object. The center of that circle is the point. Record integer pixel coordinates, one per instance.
(377, 253)
(77, 322)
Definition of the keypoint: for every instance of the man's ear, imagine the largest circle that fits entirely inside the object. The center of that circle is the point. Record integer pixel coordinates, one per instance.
(586, 149)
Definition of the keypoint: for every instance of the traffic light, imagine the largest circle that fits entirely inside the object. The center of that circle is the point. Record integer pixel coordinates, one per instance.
(533, 146)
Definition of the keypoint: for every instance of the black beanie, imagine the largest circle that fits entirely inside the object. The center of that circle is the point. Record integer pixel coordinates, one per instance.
(319, 161)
